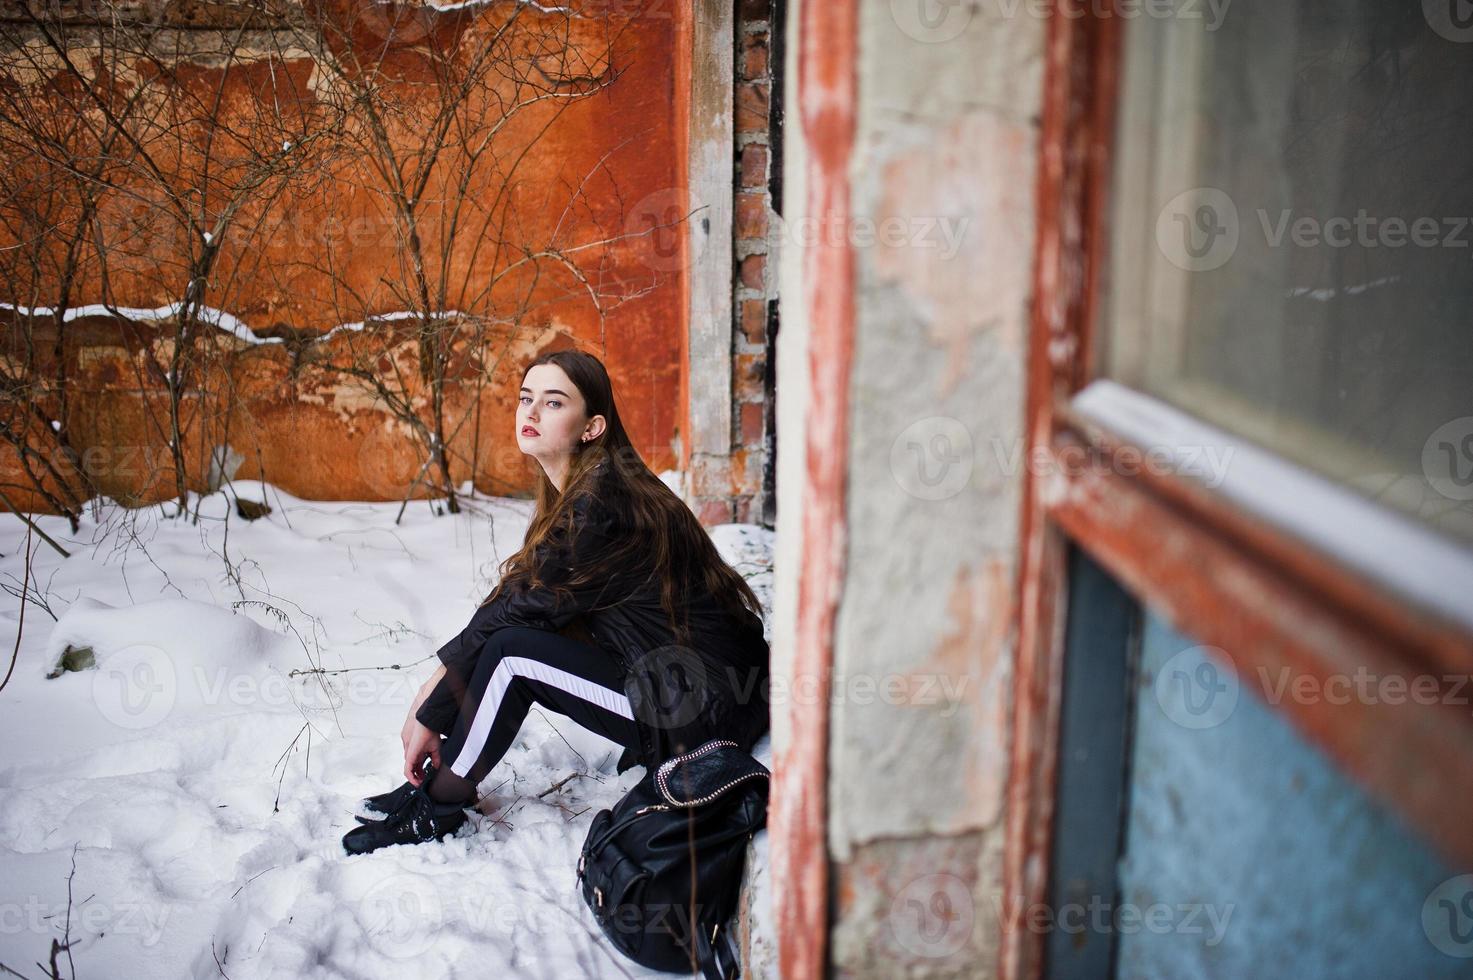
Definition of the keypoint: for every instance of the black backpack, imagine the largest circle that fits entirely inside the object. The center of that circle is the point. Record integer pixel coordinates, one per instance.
(656, 905)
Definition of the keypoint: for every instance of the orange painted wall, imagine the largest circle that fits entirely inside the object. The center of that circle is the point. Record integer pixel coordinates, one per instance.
(297, 423)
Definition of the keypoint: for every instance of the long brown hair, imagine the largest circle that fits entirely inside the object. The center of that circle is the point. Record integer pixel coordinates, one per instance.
(661, 536)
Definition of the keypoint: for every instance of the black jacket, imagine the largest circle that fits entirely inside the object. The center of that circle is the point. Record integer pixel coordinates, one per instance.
(717, 687)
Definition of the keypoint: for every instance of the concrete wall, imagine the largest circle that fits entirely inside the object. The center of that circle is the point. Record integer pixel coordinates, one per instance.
(942, 176)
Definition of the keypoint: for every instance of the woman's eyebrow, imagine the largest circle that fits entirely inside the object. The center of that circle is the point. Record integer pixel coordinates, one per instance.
(549, 391)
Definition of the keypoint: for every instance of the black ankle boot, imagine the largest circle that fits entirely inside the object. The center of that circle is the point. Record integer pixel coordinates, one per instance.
(385, 803)
(415, 820)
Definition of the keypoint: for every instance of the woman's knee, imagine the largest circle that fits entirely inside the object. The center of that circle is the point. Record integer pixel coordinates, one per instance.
(520, 638)
(500, 643)
(518, 641)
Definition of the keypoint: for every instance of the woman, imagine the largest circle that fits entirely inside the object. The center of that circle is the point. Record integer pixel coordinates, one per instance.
(617, 612)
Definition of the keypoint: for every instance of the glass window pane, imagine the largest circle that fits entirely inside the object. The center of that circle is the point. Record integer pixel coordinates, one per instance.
(1291, 249)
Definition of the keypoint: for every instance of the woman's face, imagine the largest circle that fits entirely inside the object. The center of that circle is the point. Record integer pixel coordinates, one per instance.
(551, 414)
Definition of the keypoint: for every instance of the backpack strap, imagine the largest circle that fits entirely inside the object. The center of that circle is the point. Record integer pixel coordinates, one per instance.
(711, 966)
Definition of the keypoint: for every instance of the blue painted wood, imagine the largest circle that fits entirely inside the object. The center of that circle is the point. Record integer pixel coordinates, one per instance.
(1249, 854)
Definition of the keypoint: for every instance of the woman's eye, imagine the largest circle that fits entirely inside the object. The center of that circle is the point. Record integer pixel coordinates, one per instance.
(524, 398)
(553, 401)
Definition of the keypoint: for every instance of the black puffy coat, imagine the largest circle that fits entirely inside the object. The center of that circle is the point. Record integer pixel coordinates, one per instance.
(717, 687)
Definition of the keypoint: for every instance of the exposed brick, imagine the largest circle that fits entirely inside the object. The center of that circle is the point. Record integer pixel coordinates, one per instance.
(751, 423)
(714, 512)
(751, 107)
(744, 509)
(754, 56)
(754, 165)
(754, 321)
(747, 370)
(751, 215)
(756, 9)
(746, 469)
(753, 268)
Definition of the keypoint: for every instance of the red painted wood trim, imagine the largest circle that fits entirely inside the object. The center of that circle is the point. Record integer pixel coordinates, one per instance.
(1215, 572)
(1080, 65)
(1426, 641)
(1278, 618)
(826, 94)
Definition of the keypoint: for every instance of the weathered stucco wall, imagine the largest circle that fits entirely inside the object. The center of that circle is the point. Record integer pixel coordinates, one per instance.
(942, 178)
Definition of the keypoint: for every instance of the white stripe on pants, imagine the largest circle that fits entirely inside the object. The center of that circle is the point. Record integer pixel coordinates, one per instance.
(506, 671)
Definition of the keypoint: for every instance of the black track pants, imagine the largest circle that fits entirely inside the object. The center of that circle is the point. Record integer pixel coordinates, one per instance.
(521, 666)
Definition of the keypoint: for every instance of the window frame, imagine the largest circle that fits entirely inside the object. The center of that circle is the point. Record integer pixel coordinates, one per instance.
(1208, 565)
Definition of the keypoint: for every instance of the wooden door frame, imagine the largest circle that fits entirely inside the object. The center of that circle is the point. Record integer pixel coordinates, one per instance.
(1204, 565)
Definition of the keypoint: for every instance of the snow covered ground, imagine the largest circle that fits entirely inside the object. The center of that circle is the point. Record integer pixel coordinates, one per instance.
(250, 684)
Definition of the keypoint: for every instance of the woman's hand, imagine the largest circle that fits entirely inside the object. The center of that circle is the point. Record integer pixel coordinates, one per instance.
(418, 743)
